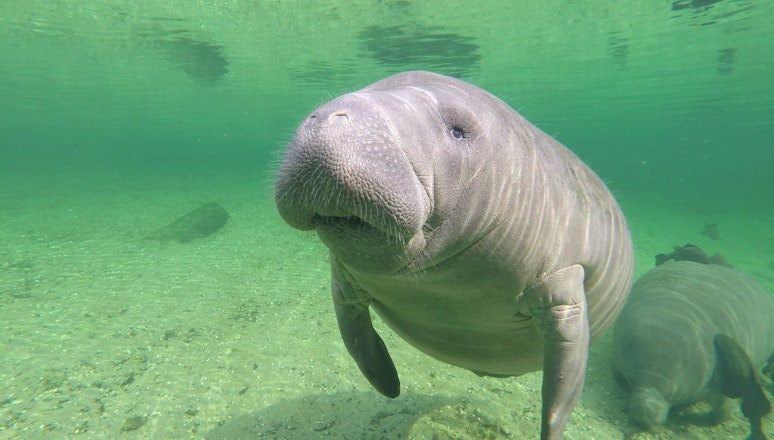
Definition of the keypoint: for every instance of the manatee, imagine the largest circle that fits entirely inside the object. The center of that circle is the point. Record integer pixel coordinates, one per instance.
(476, 237)
(694, 332)
(199, 223)
(738, 378)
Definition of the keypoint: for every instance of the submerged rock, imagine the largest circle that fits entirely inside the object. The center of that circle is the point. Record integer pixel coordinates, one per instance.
(201, 222)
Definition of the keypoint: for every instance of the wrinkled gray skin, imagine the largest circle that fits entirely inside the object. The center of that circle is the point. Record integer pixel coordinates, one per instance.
(663, 341)
(478, 238)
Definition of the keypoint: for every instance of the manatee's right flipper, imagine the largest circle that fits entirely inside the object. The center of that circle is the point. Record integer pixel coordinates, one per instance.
(362, 341)
(738, 378)
(768, 370)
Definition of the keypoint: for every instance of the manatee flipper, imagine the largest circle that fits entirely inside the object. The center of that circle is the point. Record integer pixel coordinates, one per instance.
(768, 370)
(737, 378)
(362, 341)
(558, 307)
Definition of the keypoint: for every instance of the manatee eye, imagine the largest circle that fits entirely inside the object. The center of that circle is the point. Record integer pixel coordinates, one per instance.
(457, 132)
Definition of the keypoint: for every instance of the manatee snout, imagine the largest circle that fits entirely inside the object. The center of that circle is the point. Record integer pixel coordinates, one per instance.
(345, 175)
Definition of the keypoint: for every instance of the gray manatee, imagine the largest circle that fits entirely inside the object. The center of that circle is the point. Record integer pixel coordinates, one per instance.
(694, 332)
(477, 238)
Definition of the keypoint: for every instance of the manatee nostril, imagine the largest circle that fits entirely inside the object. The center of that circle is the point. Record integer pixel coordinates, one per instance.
(339, 117)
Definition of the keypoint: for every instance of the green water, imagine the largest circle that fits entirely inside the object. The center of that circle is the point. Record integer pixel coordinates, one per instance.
(673, 97)
(117, 117)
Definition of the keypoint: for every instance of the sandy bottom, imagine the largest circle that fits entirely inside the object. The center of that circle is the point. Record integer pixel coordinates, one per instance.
(108, 335)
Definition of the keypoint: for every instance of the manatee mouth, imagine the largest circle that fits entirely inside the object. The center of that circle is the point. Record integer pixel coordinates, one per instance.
(355, 224)
(348, 221)
(373, 246)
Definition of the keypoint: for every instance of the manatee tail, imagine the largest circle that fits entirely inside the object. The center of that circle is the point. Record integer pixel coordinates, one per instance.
(738, 379)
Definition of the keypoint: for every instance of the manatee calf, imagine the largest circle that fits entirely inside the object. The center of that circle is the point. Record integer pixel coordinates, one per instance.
(475, 236)
(694, 332)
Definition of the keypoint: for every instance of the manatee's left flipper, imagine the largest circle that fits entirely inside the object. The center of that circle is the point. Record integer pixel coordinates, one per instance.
(737, 378)
(558, 307)
(768, 370)
(361, 340)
